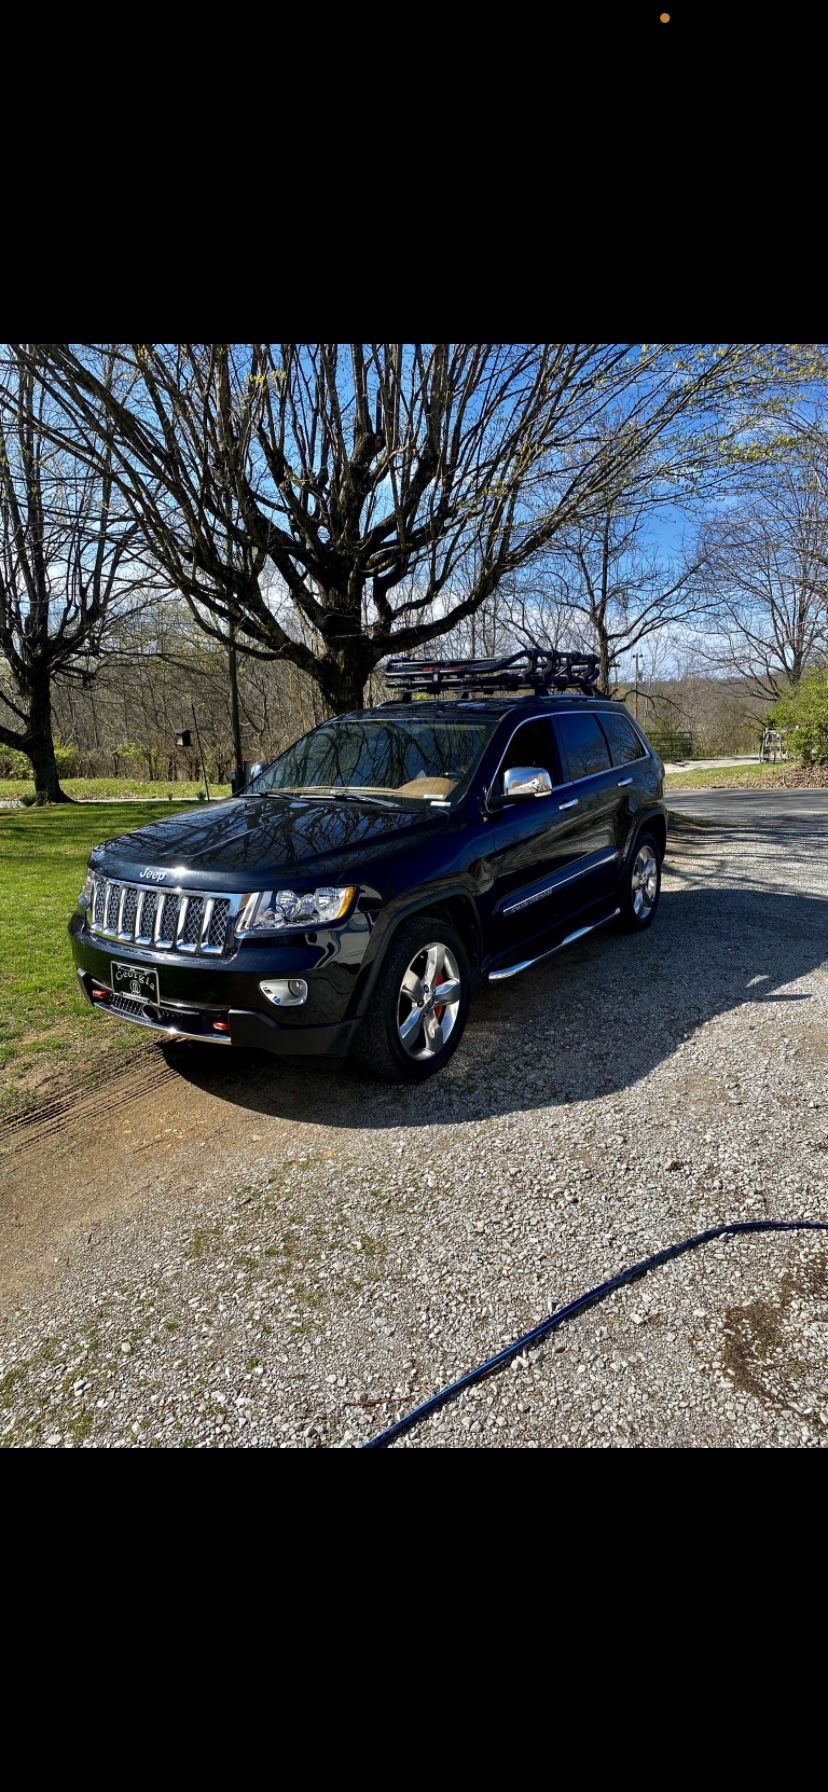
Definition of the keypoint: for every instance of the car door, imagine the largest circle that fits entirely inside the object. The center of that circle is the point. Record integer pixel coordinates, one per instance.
(533, 848)
(596, 796)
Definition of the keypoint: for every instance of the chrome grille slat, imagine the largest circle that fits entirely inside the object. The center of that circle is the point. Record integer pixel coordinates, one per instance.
(195, 922)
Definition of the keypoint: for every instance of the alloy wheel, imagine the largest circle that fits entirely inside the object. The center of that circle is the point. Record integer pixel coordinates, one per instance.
(429, 1001)
(644, 882)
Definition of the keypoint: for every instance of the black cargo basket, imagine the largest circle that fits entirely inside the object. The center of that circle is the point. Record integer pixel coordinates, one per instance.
(532, 668)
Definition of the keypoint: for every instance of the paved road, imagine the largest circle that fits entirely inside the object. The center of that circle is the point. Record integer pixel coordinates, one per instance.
(759, 808)
(703, 765)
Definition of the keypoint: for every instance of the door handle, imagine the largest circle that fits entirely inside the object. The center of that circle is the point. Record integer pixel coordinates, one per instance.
(572, 804)
(623, 781)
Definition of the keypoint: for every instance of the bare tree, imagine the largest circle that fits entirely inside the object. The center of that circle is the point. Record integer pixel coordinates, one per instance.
(334, 504)
(766, 581)
(64, 536)
(604, 587)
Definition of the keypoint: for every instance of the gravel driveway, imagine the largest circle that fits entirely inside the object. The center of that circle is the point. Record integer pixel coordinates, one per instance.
(214, 1252)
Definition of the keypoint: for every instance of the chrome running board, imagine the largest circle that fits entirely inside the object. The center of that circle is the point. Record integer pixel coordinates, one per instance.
(513, 970)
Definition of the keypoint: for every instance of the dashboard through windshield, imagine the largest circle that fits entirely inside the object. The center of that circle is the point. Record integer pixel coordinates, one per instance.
(417, 761)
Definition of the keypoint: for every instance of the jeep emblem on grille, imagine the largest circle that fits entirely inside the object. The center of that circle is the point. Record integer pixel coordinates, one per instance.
(154, 877)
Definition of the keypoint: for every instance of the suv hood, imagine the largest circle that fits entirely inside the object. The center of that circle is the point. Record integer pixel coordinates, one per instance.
(255, 841)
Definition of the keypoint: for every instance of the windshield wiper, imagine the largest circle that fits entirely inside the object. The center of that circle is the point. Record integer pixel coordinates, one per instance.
(351, 796)
(332, 793)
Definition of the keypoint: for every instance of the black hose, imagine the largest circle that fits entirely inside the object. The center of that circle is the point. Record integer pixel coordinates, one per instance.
(579, 1306)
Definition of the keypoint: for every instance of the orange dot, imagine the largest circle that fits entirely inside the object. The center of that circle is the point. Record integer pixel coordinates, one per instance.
(664, 18)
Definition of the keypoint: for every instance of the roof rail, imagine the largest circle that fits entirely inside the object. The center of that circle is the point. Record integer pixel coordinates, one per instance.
(534, 668)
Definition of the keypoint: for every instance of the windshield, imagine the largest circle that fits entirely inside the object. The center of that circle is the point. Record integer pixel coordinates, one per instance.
(421, 760)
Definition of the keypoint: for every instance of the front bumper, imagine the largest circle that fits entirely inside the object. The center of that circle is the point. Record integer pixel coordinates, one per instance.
(194, 995)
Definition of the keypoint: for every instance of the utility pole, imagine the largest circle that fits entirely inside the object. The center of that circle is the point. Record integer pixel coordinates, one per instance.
(238, 775)
(637, 675)
(200, 751)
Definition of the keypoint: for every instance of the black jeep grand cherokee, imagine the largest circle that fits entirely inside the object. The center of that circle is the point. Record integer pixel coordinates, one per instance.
(355, 891)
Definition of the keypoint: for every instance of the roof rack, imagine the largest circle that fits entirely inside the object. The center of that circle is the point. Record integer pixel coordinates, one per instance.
(536, 668)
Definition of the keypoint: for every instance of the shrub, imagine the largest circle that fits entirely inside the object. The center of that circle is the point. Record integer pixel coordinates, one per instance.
(66, 760)
(128, 757)
(14, 764)
(805, 709)
(27, 799)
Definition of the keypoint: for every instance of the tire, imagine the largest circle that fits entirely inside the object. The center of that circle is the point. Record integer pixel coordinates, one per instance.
(641, 887)
(397, 1040)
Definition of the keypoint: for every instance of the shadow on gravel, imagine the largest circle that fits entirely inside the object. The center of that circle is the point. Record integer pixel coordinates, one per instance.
(586, 1024)
(743, 822)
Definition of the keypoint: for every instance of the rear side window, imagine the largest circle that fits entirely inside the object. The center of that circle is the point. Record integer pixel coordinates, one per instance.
(624, 743)
(583, 746)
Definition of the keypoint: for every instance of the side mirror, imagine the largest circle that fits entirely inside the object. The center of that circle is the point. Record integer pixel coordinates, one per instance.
(520, 783)
(241, 778)
(525, 780)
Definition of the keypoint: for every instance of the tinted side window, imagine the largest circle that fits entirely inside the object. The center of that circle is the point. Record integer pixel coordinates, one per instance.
(624, 743)
(584, 747)
(534, 744)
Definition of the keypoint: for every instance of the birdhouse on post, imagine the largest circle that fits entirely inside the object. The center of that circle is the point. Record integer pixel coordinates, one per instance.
(183, 737)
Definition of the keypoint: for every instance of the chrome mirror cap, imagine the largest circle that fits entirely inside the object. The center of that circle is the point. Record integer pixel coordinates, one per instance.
(525, 781)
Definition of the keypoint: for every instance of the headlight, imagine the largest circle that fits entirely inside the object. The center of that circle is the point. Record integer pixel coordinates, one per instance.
(85, 896)
(268, 911)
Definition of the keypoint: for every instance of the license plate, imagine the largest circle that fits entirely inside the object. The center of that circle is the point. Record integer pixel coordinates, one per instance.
(133, 980)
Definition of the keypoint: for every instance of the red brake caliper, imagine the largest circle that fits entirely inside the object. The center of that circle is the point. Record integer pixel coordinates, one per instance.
(439, 1010)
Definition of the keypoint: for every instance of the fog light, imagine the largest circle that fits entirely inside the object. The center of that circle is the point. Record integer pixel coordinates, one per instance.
(285, 992)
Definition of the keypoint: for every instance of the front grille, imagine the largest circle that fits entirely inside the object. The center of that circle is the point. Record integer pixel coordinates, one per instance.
(192, 922)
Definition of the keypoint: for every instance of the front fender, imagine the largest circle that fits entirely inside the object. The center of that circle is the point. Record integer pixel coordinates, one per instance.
(392, 918)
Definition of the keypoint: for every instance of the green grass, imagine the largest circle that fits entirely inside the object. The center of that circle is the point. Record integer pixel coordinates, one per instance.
(47, 1030)
(726, 777)
(100, 789)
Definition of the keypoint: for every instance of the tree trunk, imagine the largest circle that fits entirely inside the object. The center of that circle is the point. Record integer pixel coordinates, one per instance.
(342, 683)
(604, 658)
(39, 746)
(235, 719)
